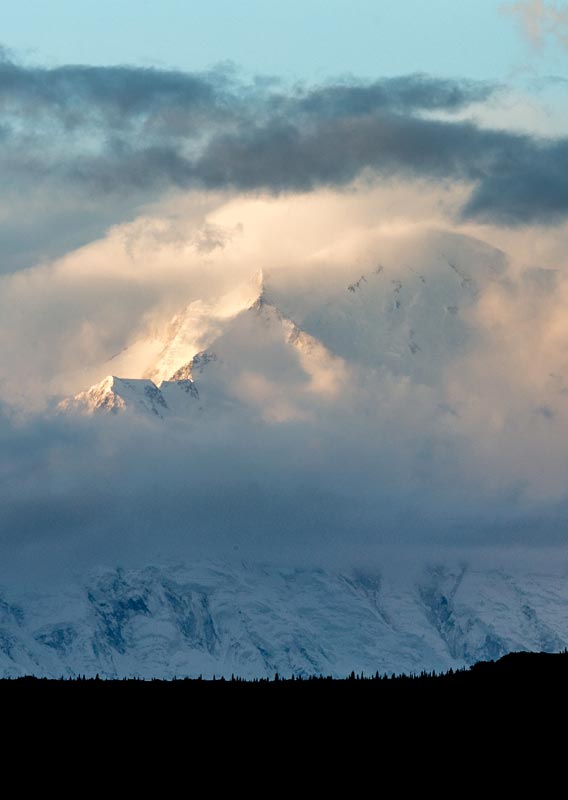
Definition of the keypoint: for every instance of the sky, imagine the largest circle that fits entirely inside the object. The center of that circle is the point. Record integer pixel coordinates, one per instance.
(300, 40)
(159, 156)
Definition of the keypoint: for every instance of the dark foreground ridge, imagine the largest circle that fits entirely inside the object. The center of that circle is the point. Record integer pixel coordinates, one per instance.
(521, 692)
(522, 670)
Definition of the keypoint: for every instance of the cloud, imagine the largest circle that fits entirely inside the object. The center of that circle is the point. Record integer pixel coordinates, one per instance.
(319, 457)
(61, 322)
(64, 325)
(541, 21)
(536, 192)
(336, 453)
(121, 98)
(127, 135)
(338, 487)
(516, 179)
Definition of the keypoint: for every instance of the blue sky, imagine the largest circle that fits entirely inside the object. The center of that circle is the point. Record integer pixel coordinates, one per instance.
(309, 39)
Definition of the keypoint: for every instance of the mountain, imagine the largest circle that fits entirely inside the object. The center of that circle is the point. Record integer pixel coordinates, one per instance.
(358, 355)
(143, 396)
(219, 618)
(306, 334)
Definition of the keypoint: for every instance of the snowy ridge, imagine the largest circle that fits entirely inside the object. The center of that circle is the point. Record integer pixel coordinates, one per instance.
(143, 396)
(115, 394)
(198, 325)
(254, 620)
(254, 329)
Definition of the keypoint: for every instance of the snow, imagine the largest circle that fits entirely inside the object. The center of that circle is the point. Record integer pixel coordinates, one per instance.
(280, 345)
(116, 394)
(257, 619)
(405, 318)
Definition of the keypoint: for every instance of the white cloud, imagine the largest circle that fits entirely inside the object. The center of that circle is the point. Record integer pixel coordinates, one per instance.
(324, 450)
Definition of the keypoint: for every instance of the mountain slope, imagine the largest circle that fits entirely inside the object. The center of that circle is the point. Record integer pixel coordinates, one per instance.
(257, 354)
(253, 620)
(406, 310)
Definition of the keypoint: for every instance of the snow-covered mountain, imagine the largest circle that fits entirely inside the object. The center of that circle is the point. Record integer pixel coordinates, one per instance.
(294, 345)
(291, 331)
(254, 620)
(140, 395)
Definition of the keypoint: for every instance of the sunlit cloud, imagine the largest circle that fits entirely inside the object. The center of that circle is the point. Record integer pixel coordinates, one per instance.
(371, 275)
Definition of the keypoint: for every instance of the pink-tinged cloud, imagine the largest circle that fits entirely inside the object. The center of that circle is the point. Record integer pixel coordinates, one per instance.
(541, 21)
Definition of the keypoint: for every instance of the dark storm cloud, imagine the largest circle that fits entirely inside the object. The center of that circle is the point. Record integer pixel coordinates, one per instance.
(127, 133)
(112, 97)
(517, 178)
(118, 96)
(528, 183)
(410, 93)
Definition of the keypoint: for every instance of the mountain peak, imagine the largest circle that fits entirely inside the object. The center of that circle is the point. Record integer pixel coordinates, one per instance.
(369, 316)
(115, 394)
(196, 364)
(262, 297)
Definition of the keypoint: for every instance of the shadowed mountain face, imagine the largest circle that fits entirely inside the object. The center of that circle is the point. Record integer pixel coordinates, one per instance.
(254, 620)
